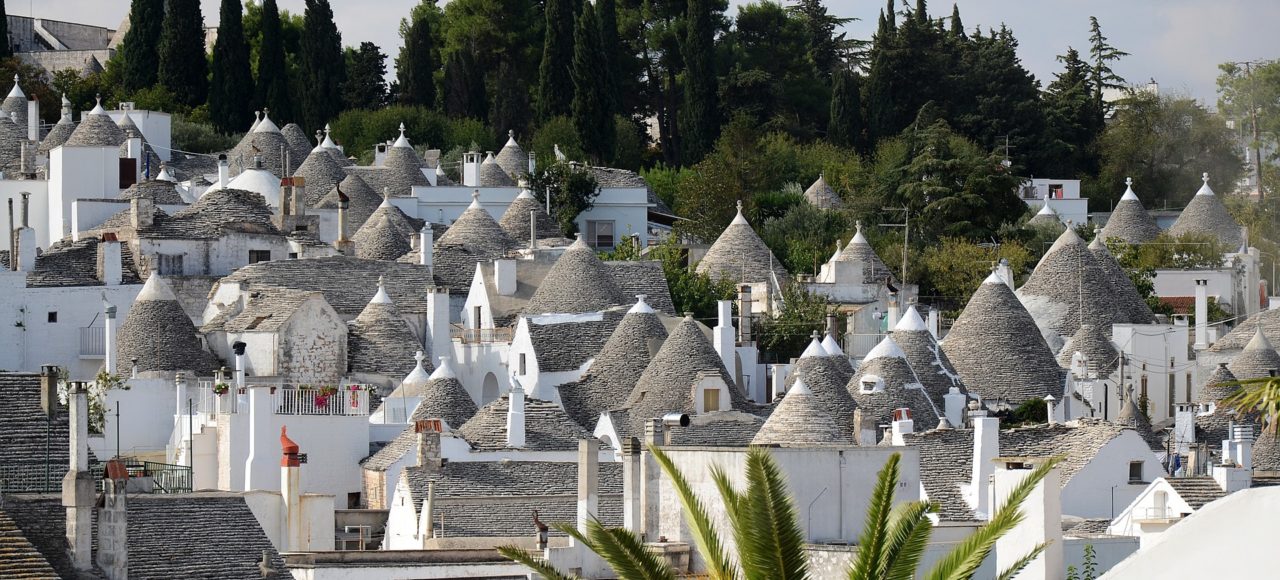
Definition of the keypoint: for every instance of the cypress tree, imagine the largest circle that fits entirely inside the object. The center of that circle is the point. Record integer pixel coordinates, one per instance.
(555, 87)
(845, 126)
(141, 60)
(6, 51)
(416, 65)
(610, 48)
(183, 67)
(366, 85)
(510, 102)
(323, 65)
(273, 76)
(463, 86)
(592, 109)
(699, 117)
(232, 88)
(957, 26)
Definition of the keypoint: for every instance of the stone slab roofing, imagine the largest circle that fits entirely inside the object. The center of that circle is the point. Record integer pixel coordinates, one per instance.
(997, 349)
(566, 346)
(1268, 320)
(1258, 359)
(42, 521)
(1129, 221)
(492, 174)
(264, 311)
(465, 494)
(299, 144)
(23, 432)
(403, 171)
(740, 255)
(320, 172)
(578, 282)
(946, 464)
(11, 139)
(1128, 303)
(1196, 491)
(160, 335)
(802, 420)
(885, 381)
(515, 221)
(446, 399)
(264, 142)
(617, 367)
(210, 535)
(160, 192)
(1205, 214)
(362, 201)
(512, 159)
(859, 250)
(1079, 441)
(67, 263)
(345, 281)
(1091, 342)
(378, 239)
(19, 558)
(718, 429)
(380, 341)
(926, 358)
(1218, 386)
(607, 177)
(57, 135)
(546, 427)
(96, 129)
(636, 277)
(820, 195)
(216, 214)
(1266, 453)
(827, 381)
(1069, 288)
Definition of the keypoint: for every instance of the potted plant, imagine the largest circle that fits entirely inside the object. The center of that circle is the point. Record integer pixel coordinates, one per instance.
(221, 388)
(323, 394)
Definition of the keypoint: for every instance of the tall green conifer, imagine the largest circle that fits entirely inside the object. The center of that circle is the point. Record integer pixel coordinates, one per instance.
(555, 86)
(323, 65)
(699, 119)
(273, 75)
(592, 106)
(184, 69)
(231, 93)
(139, 49)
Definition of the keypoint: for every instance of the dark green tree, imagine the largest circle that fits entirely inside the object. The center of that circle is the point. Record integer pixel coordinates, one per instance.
(826, 49)
(699, 118)
(910, 66)
(323, 70)
(610, 49)
(366, 85)
(141, 60)
(573, 190)
(957, 25)
(6, 51)
(845, 126)
(1002, 102)
(464, 94)
(416, 65)
(1074, 122)
(555, 83)
(273, 74)
(184, 70)
(592, 106)
(1103, 55)
(231, 93)
(510, 110)
(772, 80)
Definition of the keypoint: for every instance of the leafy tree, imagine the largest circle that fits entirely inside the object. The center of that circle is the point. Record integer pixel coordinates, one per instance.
(785, 335)
(1250, 95)
(323, 70)
(1074, 121)
(416, 65)
(772, 79)
(366, 86)
(1140, 262)
(804, 235)
(200, 137)
(557, 132)
(573, 190)
(846, 126)
(141, 59)
(592, 106)
(464, 94)
(909, 67)
(769, 542)
(630, 144)
(183, 67)
(232, 88)
(273, 74)
(1103, 55)
(699, 118)
(953, 268)
(555, 84)
(690, 290)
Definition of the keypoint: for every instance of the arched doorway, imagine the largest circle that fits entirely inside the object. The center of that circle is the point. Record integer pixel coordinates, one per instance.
(490, 390)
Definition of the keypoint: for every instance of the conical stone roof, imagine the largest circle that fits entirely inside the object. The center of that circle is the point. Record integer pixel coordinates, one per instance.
(299, 144)
(362, 200)
(57, 135)
(379, 341)
(516, 219)
(576, 283)
(1129, 221)
(1068, 288)
(926, 358)
(740, 255)
(158, 191)
(874, 270)
(802, 419)
(96, 129)
(321, 173)
(11, 139)
(997, 349)
(160, 335)
(820, 195)
(512, 159)
(1046, 217)
(613, 374)
(492, 174)
(1266, 452)
(476, 229)
(378, 239)
(885, 381)
(1092, 343)
(1218, 386)
(1133, 418)
(444, 397)
(399, 220)
(1257, 360)
(266, 142)
(1130, 307)
(827, 381)
(666, 385)
(15, 104)
(404, 167)
(1207, 215)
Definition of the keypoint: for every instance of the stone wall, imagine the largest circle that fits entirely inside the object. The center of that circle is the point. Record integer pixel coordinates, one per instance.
(375, 485)
(313, 347)
(113, 548)
(56, 60)
(830, 561)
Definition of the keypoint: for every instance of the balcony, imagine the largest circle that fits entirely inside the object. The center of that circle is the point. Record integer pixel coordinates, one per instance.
(481, 335)
(348, 401)
(1157, 515)
(93, 342)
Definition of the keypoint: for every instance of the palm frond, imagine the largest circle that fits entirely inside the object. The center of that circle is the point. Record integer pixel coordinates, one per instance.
(572, 531)
(626, 554)
(875, 529)
(1012, 571)
(1259, 396)
(909, 533)
(538, 565)
(719, 567)
(963, 560)
(774, 546)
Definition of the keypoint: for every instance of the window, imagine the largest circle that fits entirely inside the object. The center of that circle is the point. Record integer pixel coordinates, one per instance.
(256, 256)
(53, 317)
(1188, 387)
(475, 317)
(1135, 472)
(523, 370)
(170, 264)
(600, 233)
(710, 400)
(1055, 190)
(1143, 396)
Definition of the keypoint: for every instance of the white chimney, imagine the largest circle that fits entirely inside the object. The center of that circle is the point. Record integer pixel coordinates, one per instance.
(1202, 315)
(895, 310)
(933, 327)
(26, 249)
(954, 405)
(438, 323)
(1005, 272)
(238, 348)
(109, 340)
(291, 492)
(902, 425)
(533, 164)
(224, 171)
(1041, 524)
(515, 416)
(588, 482)
(77, 486)
(33, 119)
(986, 447)
(471, 169)
(426, 245)
(112, 268)
(1051, 408)
(504, 276)
(724, 335)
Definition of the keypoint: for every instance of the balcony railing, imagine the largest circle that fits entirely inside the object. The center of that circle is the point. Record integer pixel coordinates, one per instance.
(344, 401)
(481, 335)
(93, 342)
(1158, 513)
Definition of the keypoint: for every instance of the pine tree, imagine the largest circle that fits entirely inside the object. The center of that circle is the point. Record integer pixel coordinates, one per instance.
(6, 51)
(463, 86)
(416, 65)
(592, 109)
(610, 48)
(141, 61)
(273, 75)
(1006, 102)
(322, 65)
(366, 85)
(957, 25)
(1074, 121)
(555, 87)
(232, 88)
(826, 48)
(845, 126)
(183, 67)
(1103, 54)
(699, 117)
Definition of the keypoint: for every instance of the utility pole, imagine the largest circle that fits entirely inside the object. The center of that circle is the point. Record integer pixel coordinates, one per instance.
(906, 235)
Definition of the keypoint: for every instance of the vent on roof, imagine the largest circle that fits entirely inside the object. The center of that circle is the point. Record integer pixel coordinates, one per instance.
(427, 426)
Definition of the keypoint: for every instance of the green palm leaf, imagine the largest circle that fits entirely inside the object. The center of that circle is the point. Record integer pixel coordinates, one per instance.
(909, 533)
(774, 543)
(1260, 396)
(719, 567)
(538, 565)
(875, 529)
(626, 554)
(1016, 568)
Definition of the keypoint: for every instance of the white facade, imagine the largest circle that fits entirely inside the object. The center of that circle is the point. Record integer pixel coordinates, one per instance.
(1062, 195)
(155, 126)
(1157, 366)
(79, 173)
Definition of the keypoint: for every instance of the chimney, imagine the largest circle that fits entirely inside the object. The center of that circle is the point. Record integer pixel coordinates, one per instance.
(1051, 409)
(78, 495)
(286, 197)
(342, 244)
(895, 310)
(1236, 469)
(438, 323)
(26, 209)
(504, 276)
(933, 322)
(224, 171)
(954, 404)
(724, 335)
(291, 492)
(33, 119)
(109, 340)
(1042, 525)
(1202, 315)
(744, 313)
(426, 527)
(515, 416)
(13, 240)
(533, 164)
(426, 246)
(298, 204)
(471, 169)
(428, 451)
(237, 347)
(588, 482)
(1005, 272)
(533, 229)
(986, 447)
(902, 425)
(110, 267)
(141, 212)
(26, 249)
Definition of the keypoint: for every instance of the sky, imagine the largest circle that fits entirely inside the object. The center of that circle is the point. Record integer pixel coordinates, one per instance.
(1178, 43)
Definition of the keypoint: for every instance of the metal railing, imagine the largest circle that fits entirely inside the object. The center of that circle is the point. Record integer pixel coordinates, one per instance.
(31, 477)
(481, 335)
(343, 401)
(1158, 513)
(41, 478)
(93, 341)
